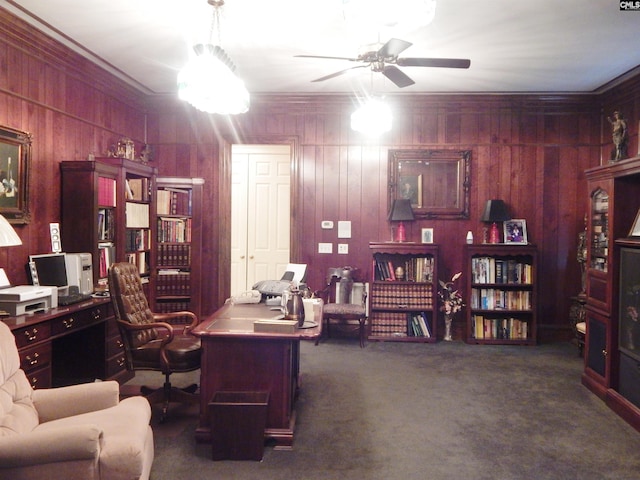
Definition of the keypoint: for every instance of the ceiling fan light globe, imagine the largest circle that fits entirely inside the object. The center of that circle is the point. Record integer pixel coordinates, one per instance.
(373, 118)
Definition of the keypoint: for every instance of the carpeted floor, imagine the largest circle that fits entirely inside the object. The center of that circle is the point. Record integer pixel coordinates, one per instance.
(437, 411)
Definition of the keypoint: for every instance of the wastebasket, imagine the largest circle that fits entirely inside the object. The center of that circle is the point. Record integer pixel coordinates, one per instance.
(238, 420)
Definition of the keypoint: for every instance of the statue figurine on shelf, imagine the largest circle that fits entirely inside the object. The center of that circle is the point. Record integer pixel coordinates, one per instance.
(582, 257)
(620, 137)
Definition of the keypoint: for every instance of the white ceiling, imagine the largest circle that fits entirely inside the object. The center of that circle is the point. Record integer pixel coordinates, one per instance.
(559, 46)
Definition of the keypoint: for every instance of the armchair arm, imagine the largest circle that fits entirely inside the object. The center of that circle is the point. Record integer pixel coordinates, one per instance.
(64, 443)
(167, 317)
(62, 402)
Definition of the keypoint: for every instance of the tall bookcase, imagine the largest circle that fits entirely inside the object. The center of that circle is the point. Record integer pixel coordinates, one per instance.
(403, 302)
(610, 363)
(107, 210)
(501, 293)
(177, 273)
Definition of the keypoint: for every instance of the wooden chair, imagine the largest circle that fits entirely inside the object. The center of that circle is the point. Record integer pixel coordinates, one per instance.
(151, 342)
(344, 314)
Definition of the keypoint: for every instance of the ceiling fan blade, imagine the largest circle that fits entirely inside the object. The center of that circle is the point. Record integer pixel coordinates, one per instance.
(330, 58)
(336, 74)
(397, 76)
(393, 48)
(434, 62)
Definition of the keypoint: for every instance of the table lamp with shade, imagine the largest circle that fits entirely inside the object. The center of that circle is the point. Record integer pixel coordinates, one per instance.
(401, 211)
(8, 236)
(494, 211)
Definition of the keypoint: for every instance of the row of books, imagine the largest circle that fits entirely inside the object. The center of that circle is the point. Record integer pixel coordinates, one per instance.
(173, 201)
(106, 223)
(173, 282)
(137, 215)
(174, 229)
(106, 256)
(497, 270)
(106, 192)
(178, 255)
(137, 239)
(390, 295)
(418, 325)
(168, 307)
(140, 260)
(138, 189)
(496, 299)
(499, 328)
(411, 269)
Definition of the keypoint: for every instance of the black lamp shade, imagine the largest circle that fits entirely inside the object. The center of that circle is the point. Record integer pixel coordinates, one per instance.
(401, 211)
(495, 211)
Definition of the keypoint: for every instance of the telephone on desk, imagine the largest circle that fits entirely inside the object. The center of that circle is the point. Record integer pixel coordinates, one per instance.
(272, 288)
(251, 296)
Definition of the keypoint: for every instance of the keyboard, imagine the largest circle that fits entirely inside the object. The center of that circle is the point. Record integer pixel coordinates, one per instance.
(73, 298)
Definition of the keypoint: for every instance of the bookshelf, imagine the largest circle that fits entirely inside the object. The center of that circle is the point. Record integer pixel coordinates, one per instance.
(403, 296)
(177, 273)
(501, 293)
(106, 211)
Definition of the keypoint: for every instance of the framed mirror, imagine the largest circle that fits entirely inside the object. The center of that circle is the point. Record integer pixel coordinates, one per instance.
(436, 181)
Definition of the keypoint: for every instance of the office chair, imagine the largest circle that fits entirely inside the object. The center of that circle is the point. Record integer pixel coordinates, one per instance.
(151, 342)
(343, 313)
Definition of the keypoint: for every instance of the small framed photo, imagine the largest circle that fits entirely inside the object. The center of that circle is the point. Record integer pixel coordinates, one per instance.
(515, 231)
(635, 229)
(427, 235)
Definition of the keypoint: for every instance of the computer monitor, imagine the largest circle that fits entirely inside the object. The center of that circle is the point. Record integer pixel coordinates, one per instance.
(50, 270)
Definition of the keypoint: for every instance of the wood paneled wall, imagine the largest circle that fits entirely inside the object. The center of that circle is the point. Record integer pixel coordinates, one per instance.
(528, 150)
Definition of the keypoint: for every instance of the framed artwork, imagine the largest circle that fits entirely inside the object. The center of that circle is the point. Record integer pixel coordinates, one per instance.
(15, 160)
(410, 188)
(515, 231)
(427, 235)
(635, 229)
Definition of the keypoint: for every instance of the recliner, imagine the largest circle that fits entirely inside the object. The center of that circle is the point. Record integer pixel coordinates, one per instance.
(150, 340)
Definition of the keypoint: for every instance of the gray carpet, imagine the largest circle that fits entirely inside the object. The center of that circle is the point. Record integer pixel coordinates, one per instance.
(439, 411)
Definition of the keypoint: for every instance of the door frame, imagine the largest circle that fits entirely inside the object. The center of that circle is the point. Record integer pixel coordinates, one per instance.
(224, 204)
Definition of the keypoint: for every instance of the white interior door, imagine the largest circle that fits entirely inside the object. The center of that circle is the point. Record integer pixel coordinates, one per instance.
(260, 213)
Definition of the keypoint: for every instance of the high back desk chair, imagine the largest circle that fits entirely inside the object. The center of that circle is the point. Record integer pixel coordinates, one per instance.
(151, 342)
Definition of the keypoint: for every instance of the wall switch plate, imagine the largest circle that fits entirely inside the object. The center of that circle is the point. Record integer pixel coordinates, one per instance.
(325, 248)
(326, 224)
(343, 248)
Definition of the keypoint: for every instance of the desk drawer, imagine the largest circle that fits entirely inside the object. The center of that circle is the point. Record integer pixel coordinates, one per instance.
(77, 320)
(35, 357)
(114, 346)
(40, 378)
(116, 365)
(29, 335)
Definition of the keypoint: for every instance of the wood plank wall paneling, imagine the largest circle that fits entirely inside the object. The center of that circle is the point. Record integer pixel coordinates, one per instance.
(529, 150)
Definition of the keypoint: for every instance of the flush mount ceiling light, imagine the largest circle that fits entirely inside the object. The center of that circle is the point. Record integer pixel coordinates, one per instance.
(208, 81)
(372, 118)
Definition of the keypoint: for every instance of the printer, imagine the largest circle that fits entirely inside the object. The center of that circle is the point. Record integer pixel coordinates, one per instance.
(25, 298)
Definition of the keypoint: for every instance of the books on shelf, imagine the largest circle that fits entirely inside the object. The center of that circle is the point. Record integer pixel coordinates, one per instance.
(106, 192)
(137, 239)
(140, 260)
(172, 229)
(173, 201)
(172, 254)
(499, 270)
(505, 328)
(106, 223)
(173, 282)
(416, 269)
(496, 299)
(106, 256)
(137, 215)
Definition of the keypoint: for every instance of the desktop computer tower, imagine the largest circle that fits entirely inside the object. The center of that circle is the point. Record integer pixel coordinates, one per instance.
(80, 271)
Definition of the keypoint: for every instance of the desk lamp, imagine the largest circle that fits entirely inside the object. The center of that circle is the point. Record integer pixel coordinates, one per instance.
(401, 211)
(8, 236)
(494, 211)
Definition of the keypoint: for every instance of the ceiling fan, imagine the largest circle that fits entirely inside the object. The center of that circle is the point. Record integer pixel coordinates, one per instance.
(385, 59)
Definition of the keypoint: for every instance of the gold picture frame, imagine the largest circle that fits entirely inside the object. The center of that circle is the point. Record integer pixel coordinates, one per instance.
(15, 162)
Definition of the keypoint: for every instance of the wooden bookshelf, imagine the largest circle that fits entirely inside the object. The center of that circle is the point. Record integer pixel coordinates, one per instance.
(501, 293)
(403, 297)
(177, 273)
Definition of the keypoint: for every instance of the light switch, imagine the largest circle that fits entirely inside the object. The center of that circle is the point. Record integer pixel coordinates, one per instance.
(343, 248)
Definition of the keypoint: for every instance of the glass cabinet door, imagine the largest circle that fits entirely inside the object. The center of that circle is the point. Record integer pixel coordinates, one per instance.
(599, 253)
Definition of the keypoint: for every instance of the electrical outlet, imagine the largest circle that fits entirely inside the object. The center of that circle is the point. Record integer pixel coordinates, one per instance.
(325, 248)
(343, 248)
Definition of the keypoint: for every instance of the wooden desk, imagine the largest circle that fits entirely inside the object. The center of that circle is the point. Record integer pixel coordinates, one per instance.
(237, 359)
(71, 344)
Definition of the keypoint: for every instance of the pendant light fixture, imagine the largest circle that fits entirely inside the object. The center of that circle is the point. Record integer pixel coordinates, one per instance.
(208, 81)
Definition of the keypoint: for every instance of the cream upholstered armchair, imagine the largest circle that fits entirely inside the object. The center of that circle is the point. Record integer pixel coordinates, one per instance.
(75, 432)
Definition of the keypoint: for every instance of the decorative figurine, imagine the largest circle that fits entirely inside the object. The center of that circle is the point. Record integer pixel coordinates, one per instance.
(620, 137)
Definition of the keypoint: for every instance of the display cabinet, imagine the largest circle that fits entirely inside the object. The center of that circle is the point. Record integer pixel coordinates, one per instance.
(613, 202)
(403, 302)
(107, 209)
(501, 293)
(177, 271)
